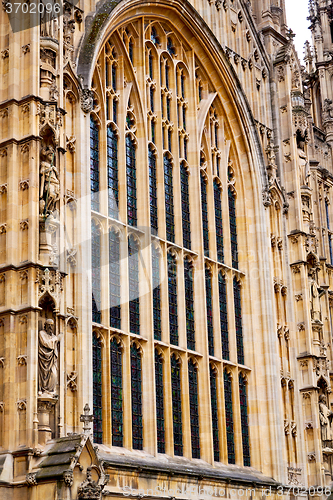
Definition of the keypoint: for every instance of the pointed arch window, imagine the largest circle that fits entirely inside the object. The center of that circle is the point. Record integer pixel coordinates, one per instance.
(96, 272)
(159, 384)
(204, 210)
(233, 227)
(169, 203)
(153, 188)
(97, 389)
(114, 279)
(209, 307)
(244, 420)
(194, 408)
(189, 304)
(185, 195)
(116, 392)
(229, 417)
(218, 222)
(173, 300)
(136, 386)
(114, 77)
(176, 406)
(132, 213)
(94, 164)
(223, 316)
(156, 293)
(215, 418)
(134, 289)
(238, 321)
(112, 165)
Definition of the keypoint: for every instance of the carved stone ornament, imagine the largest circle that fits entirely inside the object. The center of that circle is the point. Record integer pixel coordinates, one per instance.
(22, 405)
(68, 478)
(72, 381)
(31, 478)
(2, 406)
(89, 489)
(50, 282)
(87, 101)
(294, 475)
(312, 457)
(47, 358)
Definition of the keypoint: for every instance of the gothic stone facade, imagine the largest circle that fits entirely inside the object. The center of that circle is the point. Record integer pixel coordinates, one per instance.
(166, 261)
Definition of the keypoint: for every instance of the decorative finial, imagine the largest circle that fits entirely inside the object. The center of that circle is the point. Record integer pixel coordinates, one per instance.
(86, 419)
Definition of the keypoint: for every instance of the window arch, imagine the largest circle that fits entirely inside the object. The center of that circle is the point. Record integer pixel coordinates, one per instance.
(136, 386)
(159, 384)
(114, 279)
(244, 420)
(176, 406)
(116, 392)
(229, 416)
(194, 408)
(97, 388)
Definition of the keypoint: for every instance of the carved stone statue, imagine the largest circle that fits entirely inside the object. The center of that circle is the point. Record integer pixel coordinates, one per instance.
(303, 164)
(47, 358)
(328, 110)
(325, 417)
(49, 182)
(315, 301)
(48, 20)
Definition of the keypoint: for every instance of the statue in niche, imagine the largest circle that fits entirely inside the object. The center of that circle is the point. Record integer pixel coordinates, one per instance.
(49, 182)
(325, 417)
(303, 164)
(315, 301)
(47, 359)
(48, 20)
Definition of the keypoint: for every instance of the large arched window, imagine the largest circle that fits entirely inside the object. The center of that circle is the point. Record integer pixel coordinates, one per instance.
(97, 389)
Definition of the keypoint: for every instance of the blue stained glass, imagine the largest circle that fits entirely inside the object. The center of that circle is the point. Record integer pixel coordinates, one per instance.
(153, 189)
(244, 421)
(233, 228)
(154, 37)
(218, 222)
(94, 164)
(176, 406)
(116, 392)
(156, 294)
(185, 196)
(189, 304)
(132, 216)
(136, 386)
(209, 306)
(112, 165)
(134, 288)
(97, 389)
(238, 321)
(229, 417)
(173, 302)
(204, 210)
(169, 208)
(215, 419)
(159, 384)
(114, 279)
(194, 409)
(96, 272)
(223, 317)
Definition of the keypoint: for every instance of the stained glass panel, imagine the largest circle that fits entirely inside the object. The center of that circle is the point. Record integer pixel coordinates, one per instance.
(134, 289)
(97, 389)
(238, 321)
(209, 306)
(189, 304)
(229, 417)
(136, 386)
(176, 406)
(94, 164)
(173, 302)
(233, 228)
(169, 207)
(215, 420)
(112, 165)
(244, 421)
(185, 195)
(131, 182)
(156, 294)
(204, 210)
(218, 222)
(194, 409)
(152, 189)
(114, 279)
(159, 384)
(116, 393)
(223, 317)
(96, 272)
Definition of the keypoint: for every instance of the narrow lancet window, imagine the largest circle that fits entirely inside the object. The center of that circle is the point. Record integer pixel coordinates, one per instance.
(173, 300)
(112, 165)
(204, 210)
(209, 307)
(94, 164)
(244, 421)
(238, 321)
(132, 216)
(159, 384)
(215, 418)
(156, 294)
(185, 195)
(189, 304)
(116, 392)
(114, 279)
(136, 386)
(194, 409)
(229, 417)
(176, 406)
(96, 272)
(97, 389)
(134, 289)
(218, 222)
(223, 316)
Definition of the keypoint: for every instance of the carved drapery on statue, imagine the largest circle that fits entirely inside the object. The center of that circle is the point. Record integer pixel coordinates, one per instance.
(47, 359)
(325, 417)
(315, 301)
(49, 182)
(303, 164)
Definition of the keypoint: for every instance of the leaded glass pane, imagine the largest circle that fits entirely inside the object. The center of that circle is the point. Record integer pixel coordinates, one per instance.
(185, 195)
(238, 321)
(329, 235)
(97, 389)
(153, 189)
(173, 302)
(215, 419)
(136, 386)
(94, 164)
(159, 384)
(194, 409)
(96, 272)
(223, 317)
(244, 421)
(229, 417)
(134, 289)
(169, 208)
(204, 210)
(233, 228)
(132, 217)
(189, 304)
(112, 165)
(209, 307)
(176, 406)
(218, 222)
(114, 279)
(156, 294)
(114, 77)
(116, 393)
